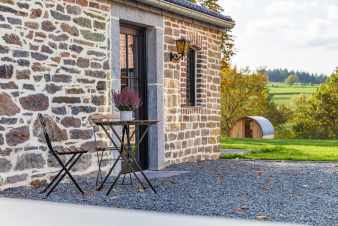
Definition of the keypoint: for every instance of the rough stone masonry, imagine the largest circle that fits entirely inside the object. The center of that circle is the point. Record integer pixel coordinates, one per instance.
(192, 132)
(55, 60)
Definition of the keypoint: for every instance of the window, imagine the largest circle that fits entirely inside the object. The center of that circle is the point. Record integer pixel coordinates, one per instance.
(191, 78)
(127, 60)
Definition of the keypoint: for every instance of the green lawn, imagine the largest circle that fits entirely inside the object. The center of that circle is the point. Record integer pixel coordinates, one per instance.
(300, 150)
(286, 94)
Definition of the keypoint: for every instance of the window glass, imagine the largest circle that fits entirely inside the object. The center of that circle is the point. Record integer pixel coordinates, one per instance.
(191, 78)
(127, 61)
(123, 60)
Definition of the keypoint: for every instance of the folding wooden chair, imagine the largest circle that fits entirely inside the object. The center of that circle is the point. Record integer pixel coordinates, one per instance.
(75, 154)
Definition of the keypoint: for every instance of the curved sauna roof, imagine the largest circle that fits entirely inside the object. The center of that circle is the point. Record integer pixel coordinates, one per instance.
(266, 126)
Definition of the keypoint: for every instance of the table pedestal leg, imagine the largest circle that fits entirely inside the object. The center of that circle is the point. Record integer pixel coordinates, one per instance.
(127, 159)
(137, 165)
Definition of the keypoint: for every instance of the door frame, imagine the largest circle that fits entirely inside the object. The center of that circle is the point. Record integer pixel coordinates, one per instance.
(142, 81)
(154, 25)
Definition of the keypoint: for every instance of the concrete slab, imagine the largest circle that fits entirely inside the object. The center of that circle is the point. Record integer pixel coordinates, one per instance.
(36, 213)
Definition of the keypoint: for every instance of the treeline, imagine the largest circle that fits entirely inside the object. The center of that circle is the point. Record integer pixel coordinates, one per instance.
(246, 93)
(281, 75)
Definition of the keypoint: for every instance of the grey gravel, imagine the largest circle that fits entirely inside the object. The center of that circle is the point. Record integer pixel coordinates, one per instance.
(298, 192)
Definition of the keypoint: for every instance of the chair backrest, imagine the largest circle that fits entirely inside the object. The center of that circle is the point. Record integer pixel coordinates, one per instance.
(44, 128)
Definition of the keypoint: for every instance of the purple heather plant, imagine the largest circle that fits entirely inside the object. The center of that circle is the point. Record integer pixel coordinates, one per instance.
(126, 100)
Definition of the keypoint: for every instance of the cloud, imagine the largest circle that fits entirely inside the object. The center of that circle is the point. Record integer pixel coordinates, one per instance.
(333, 12)
(287, 27)
(274, 25)
(330, 43)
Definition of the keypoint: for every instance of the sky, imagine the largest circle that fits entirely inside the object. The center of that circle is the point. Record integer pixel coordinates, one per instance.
(293, 34)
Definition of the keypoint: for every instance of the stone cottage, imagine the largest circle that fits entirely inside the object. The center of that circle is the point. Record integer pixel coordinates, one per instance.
(62, 58)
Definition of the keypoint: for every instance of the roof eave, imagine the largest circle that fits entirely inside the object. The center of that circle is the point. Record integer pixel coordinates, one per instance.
(221, 23)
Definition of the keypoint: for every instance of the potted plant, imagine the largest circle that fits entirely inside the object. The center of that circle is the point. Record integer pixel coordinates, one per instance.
(126, 101)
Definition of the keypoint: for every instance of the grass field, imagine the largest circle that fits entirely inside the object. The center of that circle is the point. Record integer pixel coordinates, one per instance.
(284, 94)
(300, 150)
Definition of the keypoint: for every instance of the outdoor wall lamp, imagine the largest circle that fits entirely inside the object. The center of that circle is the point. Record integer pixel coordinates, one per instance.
(182, 47)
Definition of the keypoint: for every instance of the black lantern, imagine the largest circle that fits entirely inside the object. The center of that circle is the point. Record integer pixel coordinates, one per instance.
(182, 47)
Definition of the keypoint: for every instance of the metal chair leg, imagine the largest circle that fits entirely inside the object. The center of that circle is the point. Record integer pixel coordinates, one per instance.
(99, 176)
(55, 178)
(78, 156)
(65, 167)
(112, 186)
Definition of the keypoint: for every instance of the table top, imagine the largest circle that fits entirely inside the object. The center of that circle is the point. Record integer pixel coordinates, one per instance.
(110, 119)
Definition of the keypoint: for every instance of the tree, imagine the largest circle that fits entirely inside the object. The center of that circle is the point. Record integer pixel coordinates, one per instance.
(317, 116)
(228, 46)
(280, 75)
(278, 114)
(210, 4)
(228, 49)
(241, 95)
(292, 79)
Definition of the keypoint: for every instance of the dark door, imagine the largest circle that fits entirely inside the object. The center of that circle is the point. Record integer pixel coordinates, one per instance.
(133, 76)
(248, 130)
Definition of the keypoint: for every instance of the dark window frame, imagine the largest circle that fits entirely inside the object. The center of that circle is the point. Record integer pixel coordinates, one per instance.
(191, 78)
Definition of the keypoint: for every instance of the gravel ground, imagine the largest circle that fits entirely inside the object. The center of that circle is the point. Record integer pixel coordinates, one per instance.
(305, 193)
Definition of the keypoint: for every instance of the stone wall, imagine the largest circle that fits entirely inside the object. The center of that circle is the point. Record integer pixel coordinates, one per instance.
(192, 133)
(54, 60)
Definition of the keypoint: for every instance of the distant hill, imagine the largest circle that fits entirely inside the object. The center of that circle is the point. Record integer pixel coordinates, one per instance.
(280, 75)
(284, 94)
